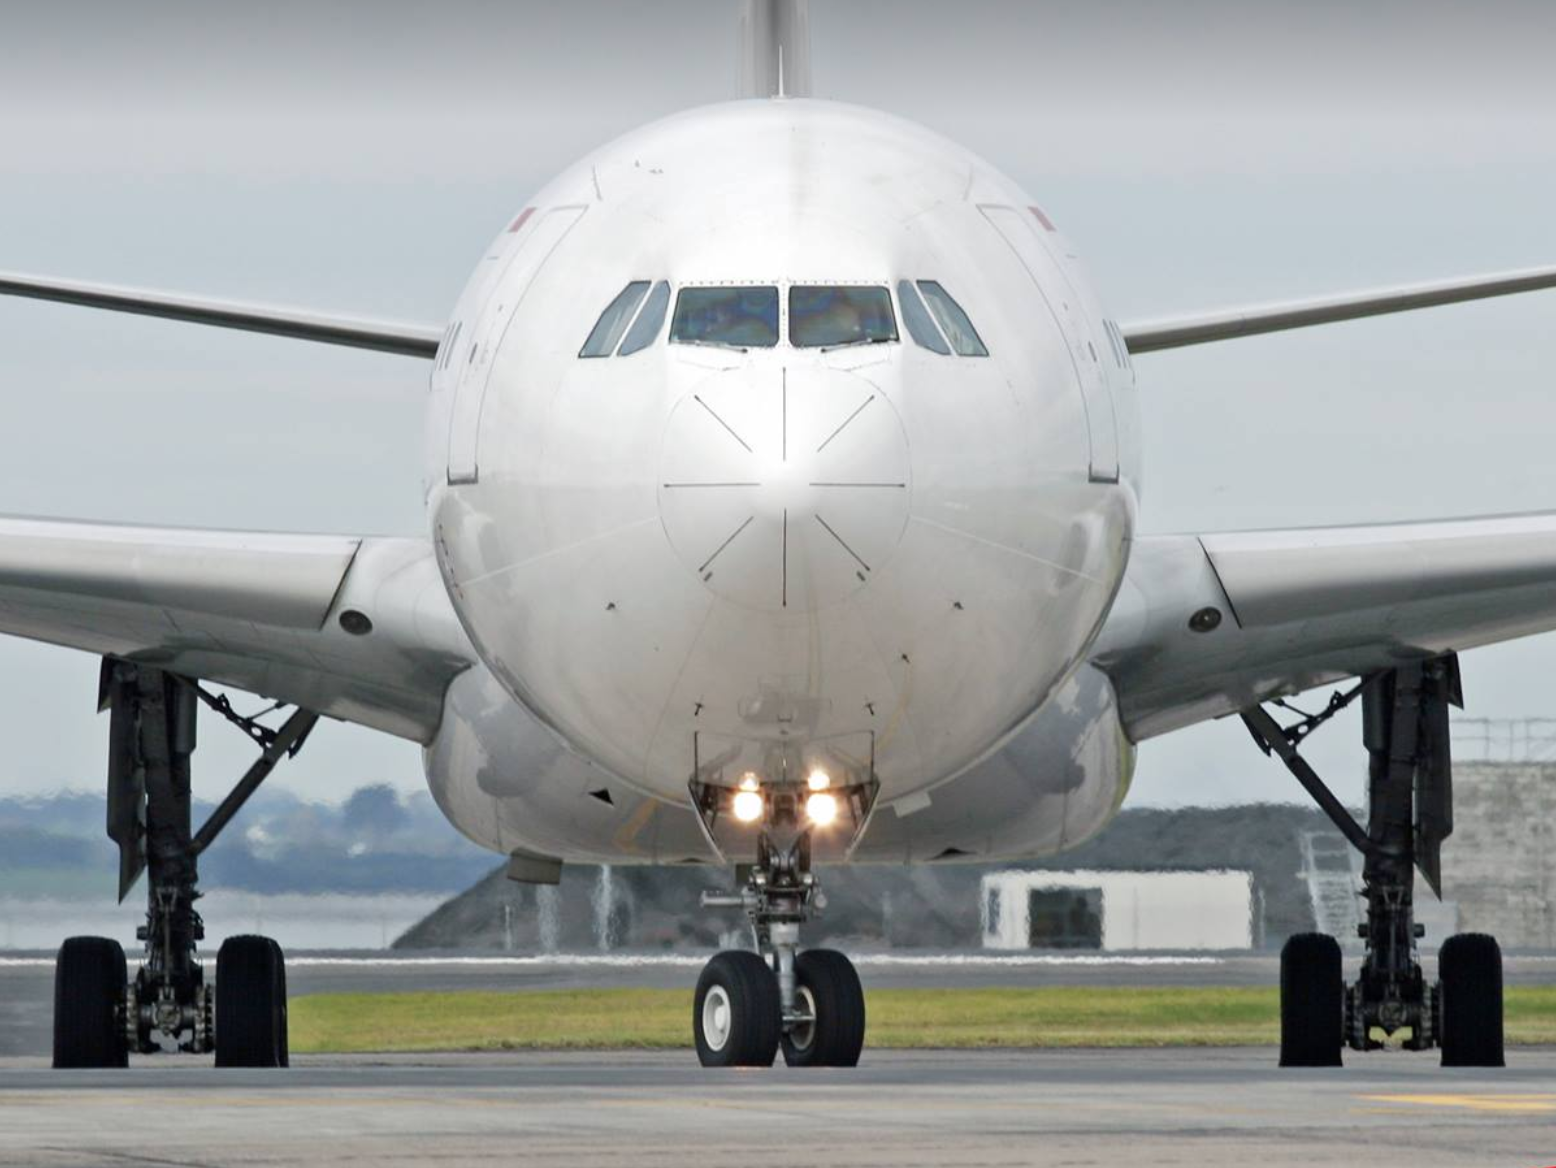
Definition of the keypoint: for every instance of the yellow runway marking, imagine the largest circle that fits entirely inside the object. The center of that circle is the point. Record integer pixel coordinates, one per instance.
(1520, 1104)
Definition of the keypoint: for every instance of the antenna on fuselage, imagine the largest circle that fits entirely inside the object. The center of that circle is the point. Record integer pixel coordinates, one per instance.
(775, 48)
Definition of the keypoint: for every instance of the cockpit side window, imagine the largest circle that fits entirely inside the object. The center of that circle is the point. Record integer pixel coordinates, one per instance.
(737, 318)
(953, 321)
(613, 321)
(645, 329)
(920, 325)
(829, 316)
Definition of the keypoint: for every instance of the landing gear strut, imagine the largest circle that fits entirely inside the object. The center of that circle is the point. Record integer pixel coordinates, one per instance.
(1410, 813)
(100, 1016)
(810, 1004)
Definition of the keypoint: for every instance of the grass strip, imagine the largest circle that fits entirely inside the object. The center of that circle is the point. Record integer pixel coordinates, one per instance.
(1053, 1016)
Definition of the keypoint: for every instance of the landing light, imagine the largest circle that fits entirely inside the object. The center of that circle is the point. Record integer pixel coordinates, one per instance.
(819, 780)
(749, 781)
(821, 807)
(748, 806)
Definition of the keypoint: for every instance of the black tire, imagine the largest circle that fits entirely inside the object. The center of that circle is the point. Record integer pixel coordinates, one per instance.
(1312, 1001)
(90, 982)
(1469, 968)
(828, 983)
(736, 1015)
(251, 1004)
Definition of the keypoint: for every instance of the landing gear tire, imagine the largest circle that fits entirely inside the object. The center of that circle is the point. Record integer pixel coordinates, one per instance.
(251, 1004)
(736, 1014)
(89, 991)
(827, 987)
(1469, 967)
(1312, 1001)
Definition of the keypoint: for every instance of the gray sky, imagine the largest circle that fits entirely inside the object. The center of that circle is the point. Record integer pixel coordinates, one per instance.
(357, 157)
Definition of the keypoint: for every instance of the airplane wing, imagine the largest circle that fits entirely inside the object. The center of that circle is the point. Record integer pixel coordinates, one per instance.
(1209, 625)
(1251, 320)
(410, 340)
(352, 628)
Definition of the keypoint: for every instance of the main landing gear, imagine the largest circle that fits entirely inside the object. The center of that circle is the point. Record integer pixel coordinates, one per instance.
(810, 1004)
(100, 1015)
(1410, 813)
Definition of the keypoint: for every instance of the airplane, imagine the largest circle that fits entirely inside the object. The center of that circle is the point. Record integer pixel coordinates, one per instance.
(782, 473)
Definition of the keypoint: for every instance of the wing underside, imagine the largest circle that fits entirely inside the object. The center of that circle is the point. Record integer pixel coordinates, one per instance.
(255, 611)
(1206, 626)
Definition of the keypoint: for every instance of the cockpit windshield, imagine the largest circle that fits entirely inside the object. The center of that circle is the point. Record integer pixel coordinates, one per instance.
(738, 318)
(827, 316)
(614, 321)
(953, 321)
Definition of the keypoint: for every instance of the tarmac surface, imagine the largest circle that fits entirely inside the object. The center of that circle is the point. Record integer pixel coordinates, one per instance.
(1200, 1107)
(1183, 1106)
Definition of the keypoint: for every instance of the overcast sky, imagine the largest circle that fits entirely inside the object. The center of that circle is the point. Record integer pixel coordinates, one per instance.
(356, 158)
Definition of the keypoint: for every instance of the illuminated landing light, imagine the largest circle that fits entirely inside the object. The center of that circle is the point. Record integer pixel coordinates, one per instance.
(819, 780)
(748, 806)
(749, 782)
(821, 808)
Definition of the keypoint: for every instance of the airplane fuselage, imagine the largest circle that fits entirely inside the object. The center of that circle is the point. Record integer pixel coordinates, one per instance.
(781, 435)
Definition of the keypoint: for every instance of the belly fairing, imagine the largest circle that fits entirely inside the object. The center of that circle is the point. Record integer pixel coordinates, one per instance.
(509, 784)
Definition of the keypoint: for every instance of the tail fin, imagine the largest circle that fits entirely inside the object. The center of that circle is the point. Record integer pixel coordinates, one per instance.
(775, 49)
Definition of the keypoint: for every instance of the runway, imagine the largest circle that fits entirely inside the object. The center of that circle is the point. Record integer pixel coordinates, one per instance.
(1203, 1107)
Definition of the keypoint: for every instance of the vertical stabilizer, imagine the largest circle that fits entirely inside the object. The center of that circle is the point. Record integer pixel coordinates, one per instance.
(775, 49)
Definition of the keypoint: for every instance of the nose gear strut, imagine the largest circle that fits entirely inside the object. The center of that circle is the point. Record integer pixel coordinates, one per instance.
(780, 894)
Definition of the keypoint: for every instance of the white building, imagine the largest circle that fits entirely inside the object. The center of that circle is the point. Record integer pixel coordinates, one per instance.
(1120, 910)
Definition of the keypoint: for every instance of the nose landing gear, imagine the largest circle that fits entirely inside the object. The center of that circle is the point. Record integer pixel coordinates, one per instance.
(809, 1004)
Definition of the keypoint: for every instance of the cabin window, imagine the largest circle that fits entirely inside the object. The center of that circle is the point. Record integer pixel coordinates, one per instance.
(737, 318)
(614, 320)
(920, 325)
(953, 321)
(645, 329)
(829, 316)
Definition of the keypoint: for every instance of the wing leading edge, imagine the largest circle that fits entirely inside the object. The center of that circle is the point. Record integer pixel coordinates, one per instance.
(1303, 608)
(410, 340)
(1253, 320)
(259, 612)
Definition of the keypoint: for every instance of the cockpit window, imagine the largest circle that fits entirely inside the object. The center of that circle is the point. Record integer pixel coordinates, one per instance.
(824, 316)
(646, 327)
(920, 325)
(739, 318)
(952, 320)
(614, 320)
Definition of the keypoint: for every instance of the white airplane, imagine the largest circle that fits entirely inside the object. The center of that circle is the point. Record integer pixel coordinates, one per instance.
(782, 469)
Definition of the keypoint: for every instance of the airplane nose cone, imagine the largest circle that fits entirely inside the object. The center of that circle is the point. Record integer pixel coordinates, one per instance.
(784, 489)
